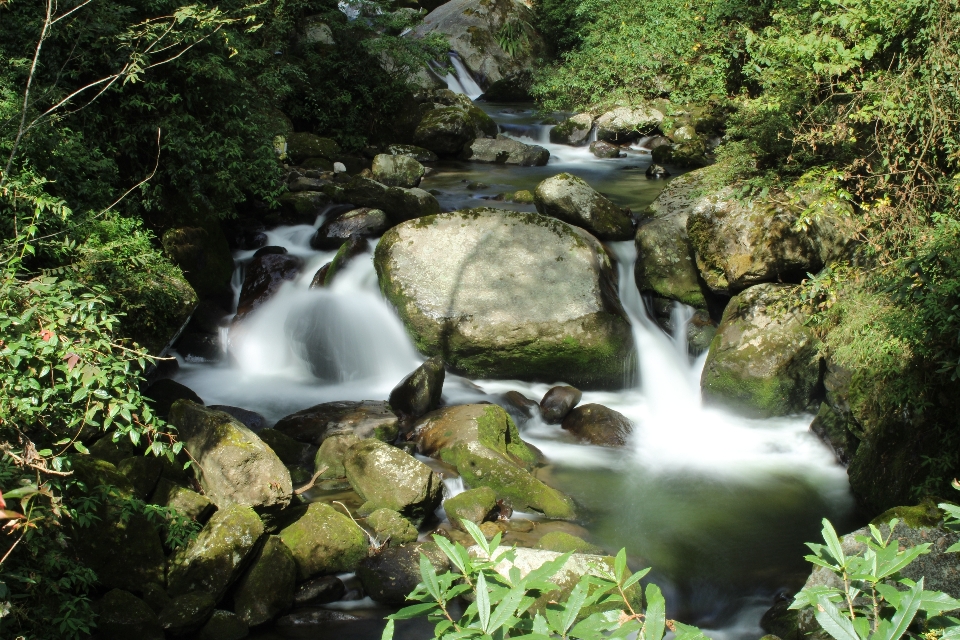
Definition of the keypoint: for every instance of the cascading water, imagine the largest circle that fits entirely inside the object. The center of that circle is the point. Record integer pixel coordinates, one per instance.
(718, 504)
(461, 80)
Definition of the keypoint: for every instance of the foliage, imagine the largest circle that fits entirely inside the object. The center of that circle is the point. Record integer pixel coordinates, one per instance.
(874, 602)
(601, 605)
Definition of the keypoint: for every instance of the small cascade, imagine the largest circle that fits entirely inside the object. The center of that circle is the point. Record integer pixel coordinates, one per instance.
(680, 316)
(461, 81)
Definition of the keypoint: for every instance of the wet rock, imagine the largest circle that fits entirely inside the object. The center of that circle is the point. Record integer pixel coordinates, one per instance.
(625, 124)
(323, 540)
(563, 542)
(417, 153)
(701, 330)
(504, 150)
(420, 391)
(264, 277)
(397, 171)
(234, 466)
(250, 419)
(290, 451)
(522, 197)
(399, 204)
(270, 250)
(568, 198)
(389, 576)
(524, 405)
(301, 146)
(656, 171)
(216, 557)
(350, 249)
(155, 596)
(203, 254)
(597, 424)
(143, 473)
(122, 616)
(302, 207)
(385, 476)
(307, 184)
(388, 524)
(200, 347)
(363, 223)
(320, 277)
(163, 393)
(224, 625)
(763, 361)
(187, 612)
(331, 454)
(474, 505)
(314, 617)
(575, 130)
(486, 424)
(603, 149)
(366, 419)
(319, 591)
(483, 268)
(448, 130)
(267, 589)
(558, 402)
(189, 503)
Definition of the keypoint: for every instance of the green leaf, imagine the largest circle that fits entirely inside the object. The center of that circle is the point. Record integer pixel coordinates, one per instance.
(833, 543)
(429, 575)
(82, 449)
(688, 632)
(450, 551)
(388, 630)
(506, 608)
(620, 564)
(656, 613)
(909, 605)
(572, 606)
(483, 602)
(414, 611)
(834, 622)
(477, 535)
(632, 580)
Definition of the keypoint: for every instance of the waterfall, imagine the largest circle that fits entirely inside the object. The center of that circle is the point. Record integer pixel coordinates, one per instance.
(461, 81)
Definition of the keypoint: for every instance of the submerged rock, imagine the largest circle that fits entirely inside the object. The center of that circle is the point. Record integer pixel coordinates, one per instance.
(323, 540)
(625, 124)
(267, 589)
(420, 391)
(263, 278)
(397, 171)
(510, 295)
(763, 361)
(575, 130)
(366, 419)
(568, 198)
(504, 150)
(390, 575)
(603, 149)
(363, 223)
(597, 424)
(385, 476)
(557, 402)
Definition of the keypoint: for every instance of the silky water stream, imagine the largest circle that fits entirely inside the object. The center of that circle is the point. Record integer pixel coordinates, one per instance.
(719, 505)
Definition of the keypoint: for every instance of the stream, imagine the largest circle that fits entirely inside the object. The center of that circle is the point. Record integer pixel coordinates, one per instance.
(719, 505)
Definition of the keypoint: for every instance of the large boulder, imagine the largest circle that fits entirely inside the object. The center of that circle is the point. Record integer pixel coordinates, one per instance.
(575, 130)
(504, 150)
(597, 424)
(234, 466)
(187, 612)
(417, 153)
(329, 459)
(263, 277)
(397, 170)
(477, 31)
(300, 146)
(666, 266)
(399, 204)
(420, 391)
(186, 501)
(625, 124)
(323, 540)
(386, 477)
(365, 419)
(763, 361)
(217, 556)
(363, 222)
(203, 254)
(122, 615)
(509, 295)
(224, 625)
(487, 424)
(389, 525)
(473, 505)
(389, 576)
(447, 130)
(267, 589)
(568, 198)
(740, 243)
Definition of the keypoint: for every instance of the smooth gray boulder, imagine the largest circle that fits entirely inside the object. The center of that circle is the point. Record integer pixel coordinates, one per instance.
(420, 391)
(501, 294)
(504, 150)
(386, 477)
(234, 466)
(267, 589)
(397, 171)
(216, 557)
(574, 131)
(603, 149)
(319, 591)
(764, 361)
(568, 198)
(625, 124)
(365, 419)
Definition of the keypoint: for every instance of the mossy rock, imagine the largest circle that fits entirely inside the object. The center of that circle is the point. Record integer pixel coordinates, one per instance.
(473, 505)
(420, 391)
(186, 501)
(563, 542)
(112, 451)
(187, 612)
(389, 576)
(522, 197)
(143, 472)
(331, 454)
(397, 171)
(366, 419)
(324, 540)
(487, 424)
(387, 524)
(569, 198)
(267, 589)
(575, 130)
(666, 266)
(122, 615)
(925, 514)
(287, 449)
(224, 625)
(301, 146)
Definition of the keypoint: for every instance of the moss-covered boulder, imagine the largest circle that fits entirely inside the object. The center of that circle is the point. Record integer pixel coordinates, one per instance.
(143, 472)
(301, 146)
(473, 505)
(386, 477)
(487, 424)
(365, 419)
(397, 171)
(398, 203)
(224, 625)
(388, 524)
(419, 392)
(289, 451)
(510, 295)
(569, 198)
(122, 615)
(234, 466)
(302, 207)
(267, 589)
(186, 501)
(187, 612)
(389, 576)
(597, 424)
(764, 361)
(324, 540)
(113, 451)
(625, 124)
(331, 453)
(336, 230)
(411, 151)
(504, 150)
(574, 131)
(217, 556)
(563, 542)
(447, 130)
(203, 254)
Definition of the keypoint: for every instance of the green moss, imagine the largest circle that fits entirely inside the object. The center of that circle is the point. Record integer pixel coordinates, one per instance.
(925, 514)
(323, 540)
(563, 542)
(473, 505)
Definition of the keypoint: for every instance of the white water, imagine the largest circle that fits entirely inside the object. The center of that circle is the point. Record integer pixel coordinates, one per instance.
(461, 80)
